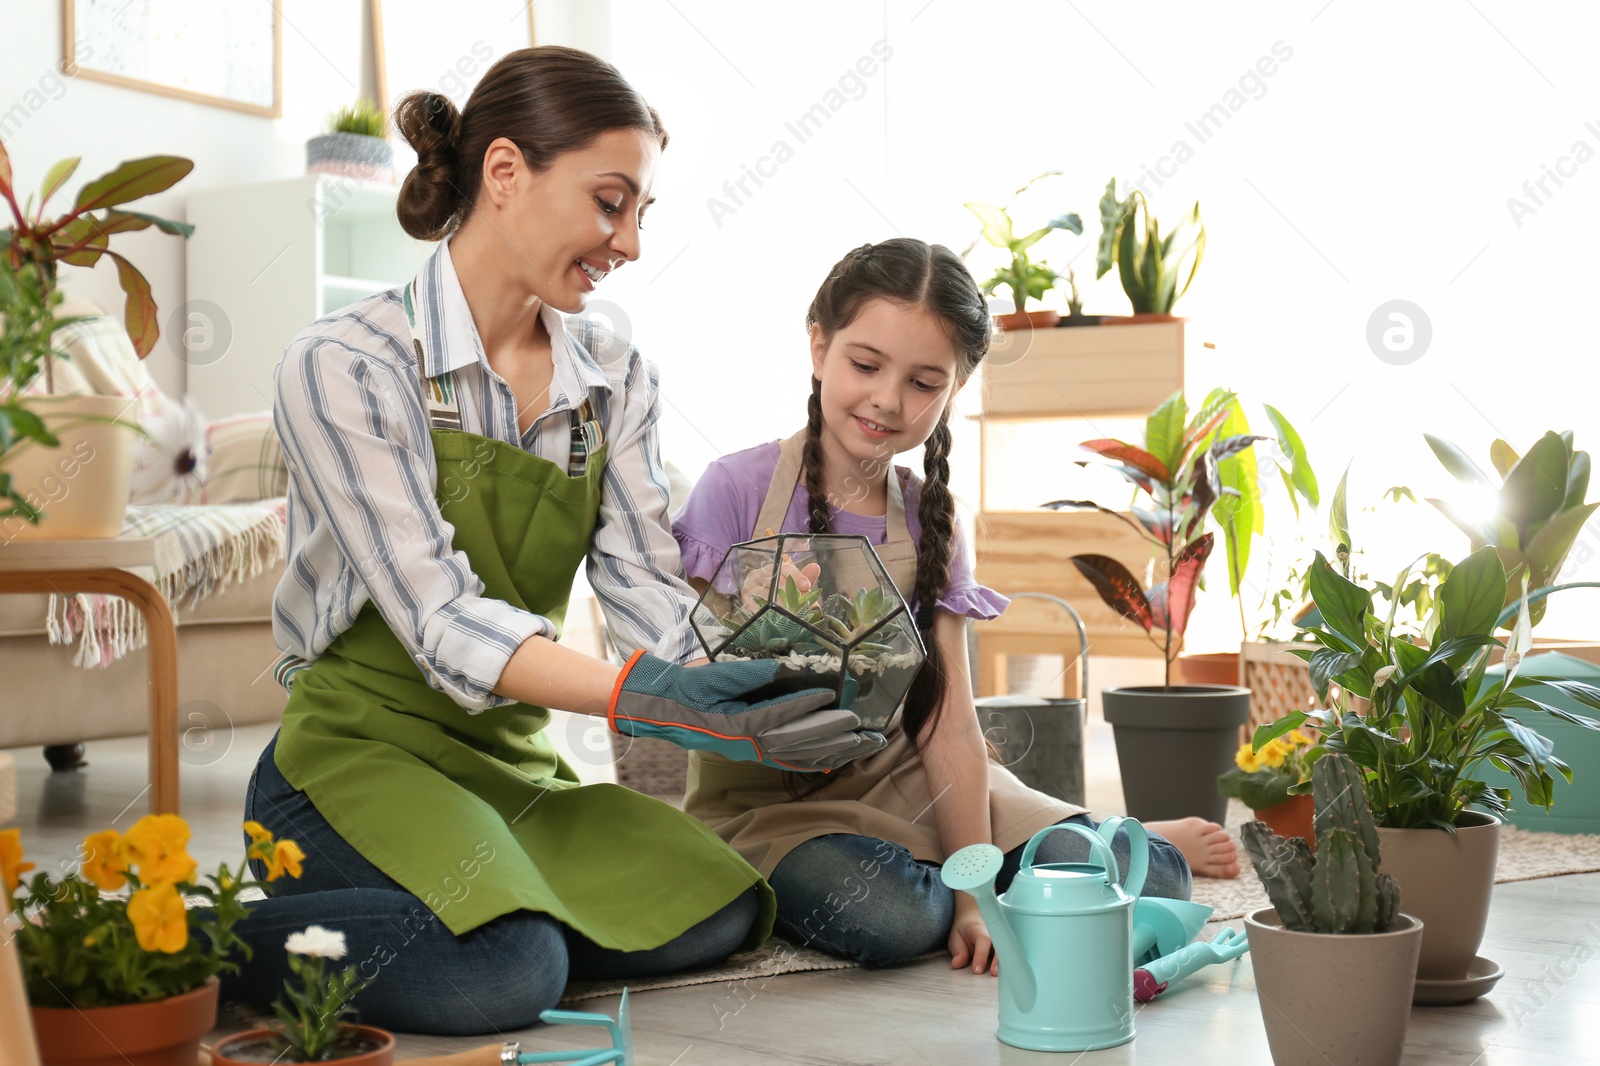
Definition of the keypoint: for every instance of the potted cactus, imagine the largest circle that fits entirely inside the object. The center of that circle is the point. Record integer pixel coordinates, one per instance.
(1334, 945)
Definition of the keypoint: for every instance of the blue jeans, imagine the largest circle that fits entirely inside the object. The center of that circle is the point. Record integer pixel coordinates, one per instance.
(869, 900)
(496, 977)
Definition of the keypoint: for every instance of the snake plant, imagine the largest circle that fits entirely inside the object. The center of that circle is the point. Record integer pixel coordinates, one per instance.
(1149, 268)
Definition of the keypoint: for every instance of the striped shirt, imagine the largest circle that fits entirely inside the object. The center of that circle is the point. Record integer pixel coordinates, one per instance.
(364, 520)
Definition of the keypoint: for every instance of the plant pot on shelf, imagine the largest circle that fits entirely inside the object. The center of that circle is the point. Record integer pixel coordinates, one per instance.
(164, 1033)
(1334, 998)
(255, 1046)
(1028, 320)
(1069, 321)
(1446, 880)
(1292, 818)
(351, 155)
(1210, 668)
(81, 486)
(1173, 744)
(1141, 319)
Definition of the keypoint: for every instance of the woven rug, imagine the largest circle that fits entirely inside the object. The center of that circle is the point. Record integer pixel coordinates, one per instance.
(200, 549)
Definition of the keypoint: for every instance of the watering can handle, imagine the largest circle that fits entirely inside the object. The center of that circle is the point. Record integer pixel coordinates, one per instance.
(1098, 847)
(1138, 850)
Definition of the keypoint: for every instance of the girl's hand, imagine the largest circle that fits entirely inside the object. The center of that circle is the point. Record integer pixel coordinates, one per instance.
(759, 581)
(970, 944)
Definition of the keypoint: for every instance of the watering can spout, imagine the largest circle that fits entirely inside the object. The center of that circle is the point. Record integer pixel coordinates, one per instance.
(972, 870)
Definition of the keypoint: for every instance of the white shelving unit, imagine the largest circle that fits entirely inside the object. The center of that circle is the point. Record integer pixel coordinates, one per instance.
(266, 261)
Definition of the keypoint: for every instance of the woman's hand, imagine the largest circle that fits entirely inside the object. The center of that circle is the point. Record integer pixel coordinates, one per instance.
(969, 939)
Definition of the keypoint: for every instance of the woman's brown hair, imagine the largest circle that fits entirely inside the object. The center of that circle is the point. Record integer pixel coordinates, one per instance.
(547, 100)
(915, 274)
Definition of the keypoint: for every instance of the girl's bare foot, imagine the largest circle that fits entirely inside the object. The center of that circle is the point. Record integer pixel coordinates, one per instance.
(1207, 846)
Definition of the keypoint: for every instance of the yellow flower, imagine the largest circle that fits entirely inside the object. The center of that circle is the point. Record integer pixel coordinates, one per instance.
(259, 834)
(1246, 759)
(104, 861)
(156, 845)
(159, 920)
(1299, 739)
(286, 859)
(1273, 753)
(11, 865)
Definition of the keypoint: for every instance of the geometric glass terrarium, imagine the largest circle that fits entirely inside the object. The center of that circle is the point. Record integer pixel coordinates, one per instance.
(829, 608)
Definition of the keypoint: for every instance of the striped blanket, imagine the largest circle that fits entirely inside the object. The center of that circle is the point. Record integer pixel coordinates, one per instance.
(200, 550)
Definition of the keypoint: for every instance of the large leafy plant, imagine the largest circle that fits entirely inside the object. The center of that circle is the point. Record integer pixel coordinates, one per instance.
(1179, 469)
(1538, 506)
(1025, 278)
(31, 250)
(1433, 714)
(1149, 264)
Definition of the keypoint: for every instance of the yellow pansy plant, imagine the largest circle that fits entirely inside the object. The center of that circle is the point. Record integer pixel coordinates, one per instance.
(1263, 779)
(83, 947)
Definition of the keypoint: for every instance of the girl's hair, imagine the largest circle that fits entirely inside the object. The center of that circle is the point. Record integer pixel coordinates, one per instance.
(547, 100)
(915, 274)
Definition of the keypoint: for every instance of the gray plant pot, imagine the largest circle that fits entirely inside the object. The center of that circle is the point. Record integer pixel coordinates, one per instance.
(1040, 740)
(351, 155)
(1173, 744)
(1333, 999)
(1446, 880)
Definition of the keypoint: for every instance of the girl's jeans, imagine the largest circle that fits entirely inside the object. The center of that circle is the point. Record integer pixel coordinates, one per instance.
(496, 977)
(868, 900)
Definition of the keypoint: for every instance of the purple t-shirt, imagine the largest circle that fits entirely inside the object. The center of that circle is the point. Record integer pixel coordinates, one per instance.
(726, 502)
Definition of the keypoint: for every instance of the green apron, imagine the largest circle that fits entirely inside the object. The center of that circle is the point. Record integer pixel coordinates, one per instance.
(476, 814)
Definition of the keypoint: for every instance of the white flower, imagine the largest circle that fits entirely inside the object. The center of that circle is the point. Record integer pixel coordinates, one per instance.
(316, 941)
(1383, 675)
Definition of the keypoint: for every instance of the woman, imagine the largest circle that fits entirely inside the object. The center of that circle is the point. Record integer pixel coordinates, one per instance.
(456, 448)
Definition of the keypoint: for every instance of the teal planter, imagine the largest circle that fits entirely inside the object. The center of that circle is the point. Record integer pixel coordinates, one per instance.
(1577, 806)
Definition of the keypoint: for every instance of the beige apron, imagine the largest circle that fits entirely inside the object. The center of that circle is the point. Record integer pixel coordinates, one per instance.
(884, 795)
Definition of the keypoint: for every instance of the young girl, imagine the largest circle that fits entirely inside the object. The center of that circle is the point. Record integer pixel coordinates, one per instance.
(896, 330)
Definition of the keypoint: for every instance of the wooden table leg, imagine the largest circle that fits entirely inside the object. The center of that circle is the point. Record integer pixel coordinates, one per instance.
(163, 644)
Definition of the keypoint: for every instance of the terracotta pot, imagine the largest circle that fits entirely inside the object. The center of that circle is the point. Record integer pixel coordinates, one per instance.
(1173, 744)
(1292, 818)
(1210, 668)
(380, 1056)
(1333, 999)
(164, 1033)
(1445, 880)
(1143, 318)
(81, 486)
(1028, 320)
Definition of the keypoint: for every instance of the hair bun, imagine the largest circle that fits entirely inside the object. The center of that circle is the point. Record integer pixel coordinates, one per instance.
(430, 197)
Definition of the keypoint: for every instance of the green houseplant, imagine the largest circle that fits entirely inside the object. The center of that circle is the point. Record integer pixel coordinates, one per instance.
(1263, 780)
(1148, 264)
(32, 248)
(1334, 945)
(1172, 740)
(1432, 717)
(355, 146)
(1025, 278)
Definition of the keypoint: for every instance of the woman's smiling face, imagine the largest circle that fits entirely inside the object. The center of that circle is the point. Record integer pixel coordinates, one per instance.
(886, 379)
(573, 223)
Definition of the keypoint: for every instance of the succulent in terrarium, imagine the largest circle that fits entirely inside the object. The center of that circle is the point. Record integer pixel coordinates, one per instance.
(820, 602)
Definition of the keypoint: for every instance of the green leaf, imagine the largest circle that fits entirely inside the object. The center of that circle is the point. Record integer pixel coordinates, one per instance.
(1344, 604)
(1457, 462)
(1273, 730)
(1503, 456)
(996, 223)
(1069, 221)
(1112, 211)
(1328, 664)
(1163, 430)
(1300, 473)
(1470, 598)
(1577, 480)
(139, 311)
(56, 177)
(134, 179)
(1549, 546)
(1338, 519)
(1537, 485)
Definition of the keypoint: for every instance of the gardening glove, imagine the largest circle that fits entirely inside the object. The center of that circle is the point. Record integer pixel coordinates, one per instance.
(755, 710)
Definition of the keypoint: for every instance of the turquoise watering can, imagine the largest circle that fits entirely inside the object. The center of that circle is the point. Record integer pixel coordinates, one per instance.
(1064, 933)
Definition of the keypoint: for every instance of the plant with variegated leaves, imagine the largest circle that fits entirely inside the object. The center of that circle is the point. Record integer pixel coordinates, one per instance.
(1186, 465)
(31, 250)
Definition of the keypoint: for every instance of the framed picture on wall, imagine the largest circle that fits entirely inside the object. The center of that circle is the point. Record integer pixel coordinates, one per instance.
(415, 48)
(227, 53)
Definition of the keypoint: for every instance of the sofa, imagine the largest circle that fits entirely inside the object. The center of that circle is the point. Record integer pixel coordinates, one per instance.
(225, 645)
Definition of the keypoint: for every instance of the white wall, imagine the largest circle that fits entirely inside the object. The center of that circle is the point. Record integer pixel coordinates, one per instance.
(106, 124)
(1374, 163)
